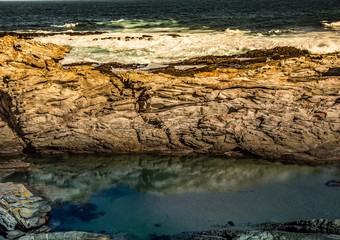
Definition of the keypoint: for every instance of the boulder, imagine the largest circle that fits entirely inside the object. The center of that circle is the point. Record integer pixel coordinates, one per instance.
(21, 210)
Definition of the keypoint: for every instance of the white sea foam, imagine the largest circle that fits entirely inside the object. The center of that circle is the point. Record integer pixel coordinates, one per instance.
(164, 48)
(137, 23)
(332, 25)
(66, 25)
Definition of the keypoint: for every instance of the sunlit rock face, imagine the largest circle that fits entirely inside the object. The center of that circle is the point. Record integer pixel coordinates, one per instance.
(76, 178)
(287, 108)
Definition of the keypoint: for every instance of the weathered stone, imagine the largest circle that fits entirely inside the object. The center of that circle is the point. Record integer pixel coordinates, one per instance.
(308, 230)
(13, 164)
(286, 108)
(20, 209)
(15, 234)
(65, 236)
(307, 226)
(247, 235)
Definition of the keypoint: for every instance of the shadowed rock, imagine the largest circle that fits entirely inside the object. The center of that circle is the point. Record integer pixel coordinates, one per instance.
(312, 230)
(68, 236)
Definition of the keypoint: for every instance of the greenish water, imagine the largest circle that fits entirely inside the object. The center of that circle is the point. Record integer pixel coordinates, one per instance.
(146, 196)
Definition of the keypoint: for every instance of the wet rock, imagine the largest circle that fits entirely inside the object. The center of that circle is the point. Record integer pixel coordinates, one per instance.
(246, 235)
(66, 236)
(21, 209)
(275, 104)
(301, 230)
(14, 234)
(307, 226)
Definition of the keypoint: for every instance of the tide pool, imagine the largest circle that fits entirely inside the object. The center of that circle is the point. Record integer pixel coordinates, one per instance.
(143, 196)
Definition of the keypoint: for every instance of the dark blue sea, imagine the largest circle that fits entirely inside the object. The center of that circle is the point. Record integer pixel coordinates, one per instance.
(158, 32)
(253, 15)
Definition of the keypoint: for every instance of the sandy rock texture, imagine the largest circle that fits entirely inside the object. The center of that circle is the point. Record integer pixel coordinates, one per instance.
(268, 104)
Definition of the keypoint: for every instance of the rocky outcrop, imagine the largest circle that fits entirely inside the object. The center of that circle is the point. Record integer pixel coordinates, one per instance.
(307, 226)
(248, 235)
(301, 230)
(20, 210)
(67, 236)
(282, 106)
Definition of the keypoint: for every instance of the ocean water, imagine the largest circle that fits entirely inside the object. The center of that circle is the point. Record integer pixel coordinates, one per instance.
(163, 31)
(143, 196)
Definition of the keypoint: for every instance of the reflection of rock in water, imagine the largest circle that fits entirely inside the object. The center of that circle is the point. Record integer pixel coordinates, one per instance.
(333, 183)
(75, 178)
(67, 212)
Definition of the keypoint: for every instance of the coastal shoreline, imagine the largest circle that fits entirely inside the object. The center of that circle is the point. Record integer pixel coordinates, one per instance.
(274, 104)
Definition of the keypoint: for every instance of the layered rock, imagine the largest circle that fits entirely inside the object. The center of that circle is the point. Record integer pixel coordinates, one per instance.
(67, 236)
(288, 108)
(301, 230)
(20, 210)
(307, 226)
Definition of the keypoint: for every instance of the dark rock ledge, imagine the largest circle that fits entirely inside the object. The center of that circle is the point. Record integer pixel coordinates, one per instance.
(276, 104)
(316, 229)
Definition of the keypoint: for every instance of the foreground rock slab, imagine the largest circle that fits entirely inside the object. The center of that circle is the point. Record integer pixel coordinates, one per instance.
(280, 104)
(20, 210)
(66, 236)
(316, 229)
(250, 235)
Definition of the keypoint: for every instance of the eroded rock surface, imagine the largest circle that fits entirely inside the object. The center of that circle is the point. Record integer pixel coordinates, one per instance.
(315, 229)
(288, 108)
(20, 210)
(67, 236)
(307, 226)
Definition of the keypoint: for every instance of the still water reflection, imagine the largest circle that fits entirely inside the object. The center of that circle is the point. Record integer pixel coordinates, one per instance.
(154, 195)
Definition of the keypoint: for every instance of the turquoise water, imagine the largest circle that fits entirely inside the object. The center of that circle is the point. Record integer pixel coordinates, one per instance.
(147, 196)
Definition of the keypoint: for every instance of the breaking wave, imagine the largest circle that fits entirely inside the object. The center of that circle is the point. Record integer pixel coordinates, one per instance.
(66, 25)
(125, 25)
(128, 24)
(331, 25)
(162, 48)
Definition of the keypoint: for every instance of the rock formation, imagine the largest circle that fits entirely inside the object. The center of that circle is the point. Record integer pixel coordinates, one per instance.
(277, 104)
(67, 236)
(20, 210)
